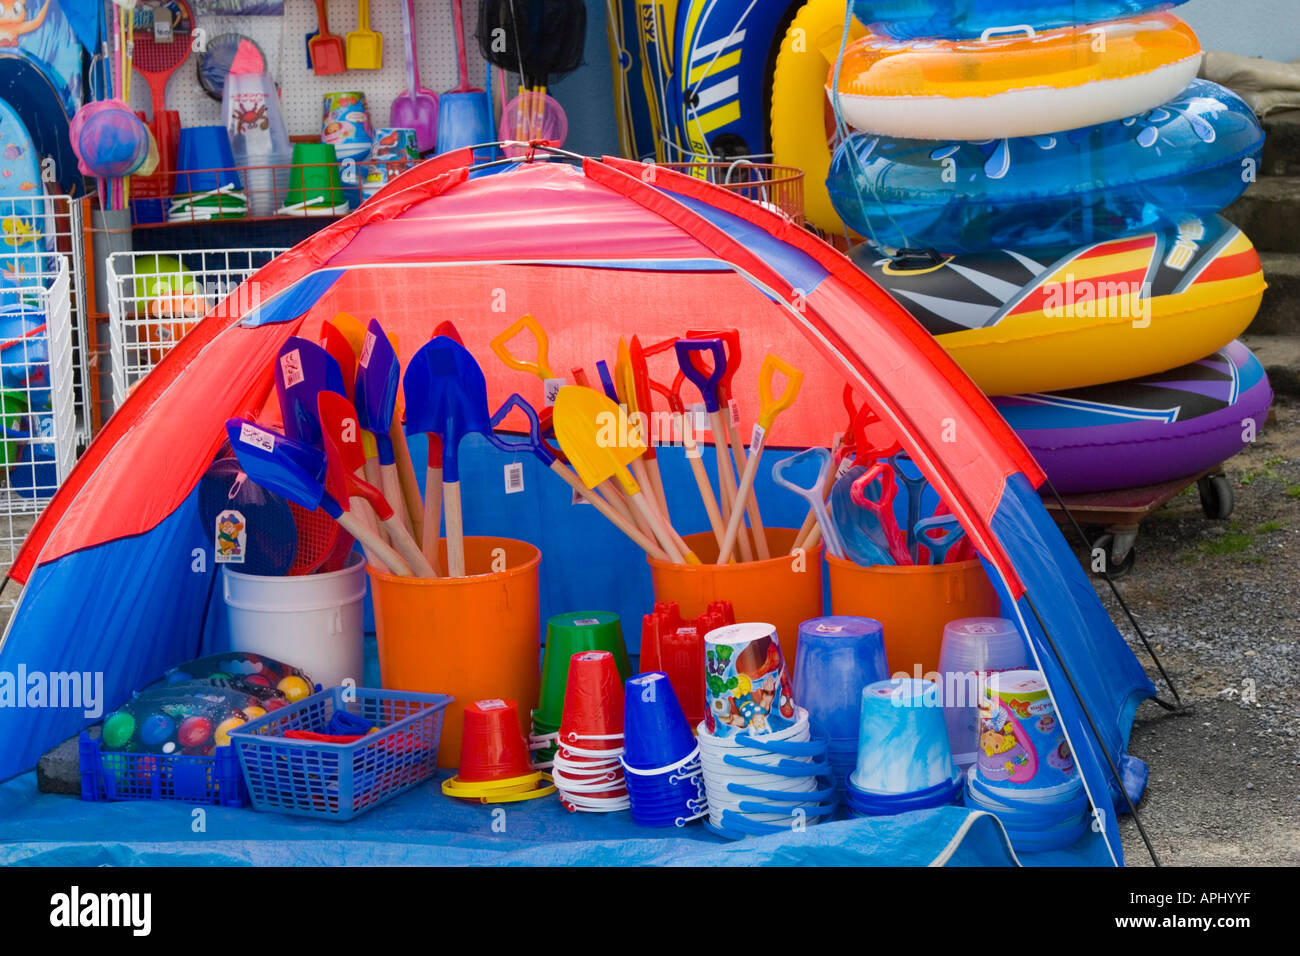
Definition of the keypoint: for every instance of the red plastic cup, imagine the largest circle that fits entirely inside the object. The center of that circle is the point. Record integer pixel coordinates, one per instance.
(593, 704)
(492, 745)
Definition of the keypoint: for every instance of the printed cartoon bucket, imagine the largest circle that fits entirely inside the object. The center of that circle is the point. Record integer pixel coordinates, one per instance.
(747, 687)
(1022, 749)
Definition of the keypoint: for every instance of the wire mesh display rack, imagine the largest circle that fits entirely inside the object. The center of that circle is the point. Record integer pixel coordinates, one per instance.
(779, 188)
(38, 401)
(154, 298)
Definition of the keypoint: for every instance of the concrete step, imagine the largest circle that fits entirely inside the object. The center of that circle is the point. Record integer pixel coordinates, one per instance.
(1280, 356)
(1281, 144)
(1269, 213)
(1279, 313)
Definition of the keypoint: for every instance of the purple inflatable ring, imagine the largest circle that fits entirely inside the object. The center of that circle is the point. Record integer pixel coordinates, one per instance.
(1144, 431)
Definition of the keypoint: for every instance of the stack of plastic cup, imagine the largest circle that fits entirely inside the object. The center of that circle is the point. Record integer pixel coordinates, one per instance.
(661, 760)
(494, 766)
(259, 139)
(904, 761)
(1024, 772)
(566, 635)
(587, 769)
(837, 657)
(973, 648)
(770, 783)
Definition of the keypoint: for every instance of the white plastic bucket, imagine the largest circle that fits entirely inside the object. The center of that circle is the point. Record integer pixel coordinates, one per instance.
(312, 621)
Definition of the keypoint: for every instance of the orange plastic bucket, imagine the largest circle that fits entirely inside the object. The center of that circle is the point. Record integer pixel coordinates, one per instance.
(913, 603)
(476, 637)
(782, 591)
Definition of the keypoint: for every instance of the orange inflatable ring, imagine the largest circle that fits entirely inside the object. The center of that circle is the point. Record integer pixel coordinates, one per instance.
(1015, 82)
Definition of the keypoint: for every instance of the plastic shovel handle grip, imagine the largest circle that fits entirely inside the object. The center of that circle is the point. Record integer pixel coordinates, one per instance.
(500, 345)
(534, 442)
(940, 546)
(706, 382)
(731, 349)
(770, 406)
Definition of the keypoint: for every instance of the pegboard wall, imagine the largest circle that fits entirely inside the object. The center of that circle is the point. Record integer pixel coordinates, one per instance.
(302, 92)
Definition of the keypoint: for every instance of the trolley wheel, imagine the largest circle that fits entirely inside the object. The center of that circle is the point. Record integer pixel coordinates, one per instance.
(1216, 496)
(1117, 553)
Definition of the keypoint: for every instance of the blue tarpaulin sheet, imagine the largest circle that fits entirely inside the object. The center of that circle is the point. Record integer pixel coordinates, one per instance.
(422, 827)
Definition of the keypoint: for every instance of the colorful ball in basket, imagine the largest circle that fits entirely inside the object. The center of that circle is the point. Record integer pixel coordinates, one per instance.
(568, 634)
(315, 182)
(13, 424)
(492, 746)
(973, 648)
(902, 740)
(258, 675)
(655, 731)
(205, 161)
(957, 19)
(1014, 81)
(747, 686)
(35, 475)
(183, 719)
(838, 656)
(593, 704)
(1187, 158)
(1022, 748)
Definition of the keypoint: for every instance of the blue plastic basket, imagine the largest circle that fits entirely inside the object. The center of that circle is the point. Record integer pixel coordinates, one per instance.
(338, 781)
(107, 775)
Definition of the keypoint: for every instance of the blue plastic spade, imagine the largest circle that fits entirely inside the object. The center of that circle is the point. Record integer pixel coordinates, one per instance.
(378, 377)
(864, 542)
(291, 469)
(939, 547)
(304, 369)
(446, 394)
(915, 490)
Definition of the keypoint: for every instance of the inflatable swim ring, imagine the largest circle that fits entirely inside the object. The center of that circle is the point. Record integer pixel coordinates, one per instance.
(1047, 319)
(959, 19)
(1025, 84)
(724, 51)
(1192, 156)
(1144, 431)
(801, 124)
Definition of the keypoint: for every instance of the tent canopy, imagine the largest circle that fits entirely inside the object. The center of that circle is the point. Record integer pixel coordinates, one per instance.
(596, 250)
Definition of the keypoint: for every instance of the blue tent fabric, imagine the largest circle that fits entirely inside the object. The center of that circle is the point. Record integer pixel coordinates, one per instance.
(91, 635)
(422, 827)
(1110, 681)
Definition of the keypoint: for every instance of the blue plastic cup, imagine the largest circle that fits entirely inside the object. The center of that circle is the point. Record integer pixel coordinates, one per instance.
(655, 731)
(205, 161)
(837, 657)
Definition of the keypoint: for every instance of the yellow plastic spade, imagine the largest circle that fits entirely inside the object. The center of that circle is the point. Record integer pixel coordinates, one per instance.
(595, 437)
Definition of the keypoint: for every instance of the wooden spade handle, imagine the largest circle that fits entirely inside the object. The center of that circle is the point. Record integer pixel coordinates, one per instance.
(372, 544)
(455, 530)
(613, 517)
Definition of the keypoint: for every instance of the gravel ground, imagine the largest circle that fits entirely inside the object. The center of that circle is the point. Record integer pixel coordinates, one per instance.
(1220, 602)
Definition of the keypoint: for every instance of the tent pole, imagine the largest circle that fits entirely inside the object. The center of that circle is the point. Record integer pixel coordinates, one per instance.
(1096, 733)
(1105, 572)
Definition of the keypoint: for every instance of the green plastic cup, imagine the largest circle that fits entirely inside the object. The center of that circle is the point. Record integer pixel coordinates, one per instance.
(314, 180)
(569, 634)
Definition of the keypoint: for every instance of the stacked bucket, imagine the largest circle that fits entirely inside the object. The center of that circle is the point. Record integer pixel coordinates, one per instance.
(566, 635)
(587, 768)
(1024, 772)
(973, 649)
(763, 771)
(661, 760)
(837, 657)
(904, 759)
(494, 765)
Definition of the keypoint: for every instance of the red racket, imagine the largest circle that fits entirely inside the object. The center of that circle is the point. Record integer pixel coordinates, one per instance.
(163, 35)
